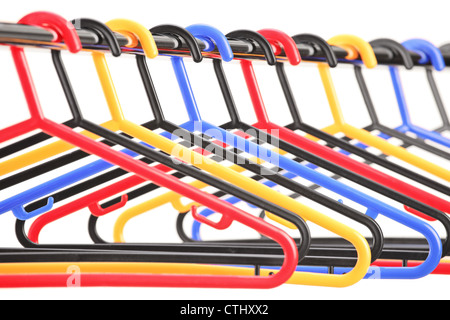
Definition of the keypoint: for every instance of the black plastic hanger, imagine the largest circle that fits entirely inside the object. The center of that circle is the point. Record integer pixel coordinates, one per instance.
(166, 160)
(157, 109)
(393, 248)
(401, 51)
(332, 141)
(439, 103)
(331, 203)
(223, 153)
(303, 155)
(437, 96)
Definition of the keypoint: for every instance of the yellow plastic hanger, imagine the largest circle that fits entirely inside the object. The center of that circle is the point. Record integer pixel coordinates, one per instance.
(133, 268)
(59, 147)
(119, 123)
(46, 152)
(175, 200)
(231, 176)
(358, 47)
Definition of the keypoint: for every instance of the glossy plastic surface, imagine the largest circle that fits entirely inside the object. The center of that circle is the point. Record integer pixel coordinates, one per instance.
(38, 121)
(432, 54)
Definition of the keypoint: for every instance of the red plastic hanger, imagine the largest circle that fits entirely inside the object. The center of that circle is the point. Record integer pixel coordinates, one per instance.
(276, 38)
(92, 202)
(65, 31)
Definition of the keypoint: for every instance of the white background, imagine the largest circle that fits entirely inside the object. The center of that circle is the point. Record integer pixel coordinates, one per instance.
(399, 20)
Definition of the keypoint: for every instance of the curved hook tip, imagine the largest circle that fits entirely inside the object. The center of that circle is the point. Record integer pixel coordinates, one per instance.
(62, 28)
(183, 34)
(21, 214)
(396, 49)
(364, 49)
(278, 38)
(209, 33)
(321, 43)
(138, 32)
(102, 31)
(257, 38)
(428, 51)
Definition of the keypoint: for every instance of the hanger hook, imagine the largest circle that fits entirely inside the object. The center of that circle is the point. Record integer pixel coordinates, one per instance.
(176, 31)
(224, 223)
(307, 38)
(280, 39)
(138, 33)
(252, 36)
(62, 29)
(428, 51)
(98, 211)
(212, 36)
(102, 31)
(357, 45)
(21, 214)
(397, 48)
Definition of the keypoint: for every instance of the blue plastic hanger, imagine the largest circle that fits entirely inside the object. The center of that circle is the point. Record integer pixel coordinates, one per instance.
(16, 203)
(211, 35)
(429, 53)
(426, 230)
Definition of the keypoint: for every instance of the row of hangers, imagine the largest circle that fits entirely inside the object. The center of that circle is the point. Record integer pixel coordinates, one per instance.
(260, 161)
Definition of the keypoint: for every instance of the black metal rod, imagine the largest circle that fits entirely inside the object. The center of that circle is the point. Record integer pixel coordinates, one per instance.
(17, 34)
